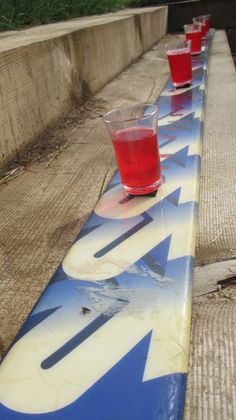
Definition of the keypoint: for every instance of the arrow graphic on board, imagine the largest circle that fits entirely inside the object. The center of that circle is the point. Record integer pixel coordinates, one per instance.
(179, 106)
(126, 393)
(122, 393)
(119, 333)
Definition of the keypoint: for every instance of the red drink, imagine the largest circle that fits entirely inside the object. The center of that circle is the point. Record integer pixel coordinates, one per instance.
(205, 20)
(207, 23)
(137, 157)
(204, 27)
(180, 66)
(196, 37)
(133, 131)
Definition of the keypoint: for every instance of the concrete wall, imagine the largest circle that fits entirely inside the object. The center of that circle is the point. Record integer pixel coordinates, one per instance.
(44, 70)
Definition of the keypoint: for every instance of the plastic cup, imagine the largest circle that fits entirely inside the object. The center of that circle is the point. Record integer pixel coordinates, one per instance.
(202, 20)
(207, 21)
(133, 131)
(193, 32)
(179, 57)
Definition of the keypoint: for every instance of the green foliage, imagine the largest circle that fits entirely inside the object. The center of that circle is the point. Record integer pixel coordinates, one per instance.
(15, 14)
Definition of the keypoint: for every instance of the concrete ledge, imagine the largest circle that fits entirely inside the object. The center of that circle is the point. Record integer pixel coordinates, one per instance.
(44, 70)
(216, 229)
(211, 387)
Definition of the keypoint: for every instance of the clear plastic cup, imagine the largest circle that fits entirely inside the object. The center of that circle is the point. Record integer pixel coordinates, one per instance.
(202, 20)
(133, 131)
(207, 21)
(179, 58)
(193, 32)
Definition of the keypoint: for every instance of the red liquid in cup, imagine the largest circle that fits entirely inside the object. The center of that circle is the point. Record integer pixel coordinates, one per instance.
(137, 156)
(204, 29)
(180, 66)
(207, 22)
(195, 37)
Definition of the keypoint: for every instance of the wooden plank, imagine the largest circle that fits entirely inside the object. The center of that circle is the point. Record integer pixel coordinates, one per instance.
(211, 277)
(211, 387)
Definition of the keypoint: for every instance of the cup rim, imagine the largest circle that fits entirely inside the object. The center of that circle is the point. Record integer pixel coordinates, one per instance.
(202, 16)
(185, 43)
(193, 29)
(197, 19)
(106, 119)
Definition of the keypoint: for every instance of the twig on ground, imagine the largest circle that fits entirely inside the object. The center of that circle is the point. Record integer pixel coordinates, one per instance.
(217, 236)
(231, 271)
(221, 292)
(14, 173)
(56, 153)
(151, 92)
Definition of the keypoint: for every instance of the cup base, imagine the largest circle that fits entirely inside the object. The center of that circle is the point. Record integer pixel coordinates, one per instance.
(143, 190)
(182, 84)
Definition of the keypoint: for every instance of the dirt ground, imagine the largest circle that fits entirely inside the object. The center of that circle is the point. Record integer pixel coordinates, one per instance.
(47, 147)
